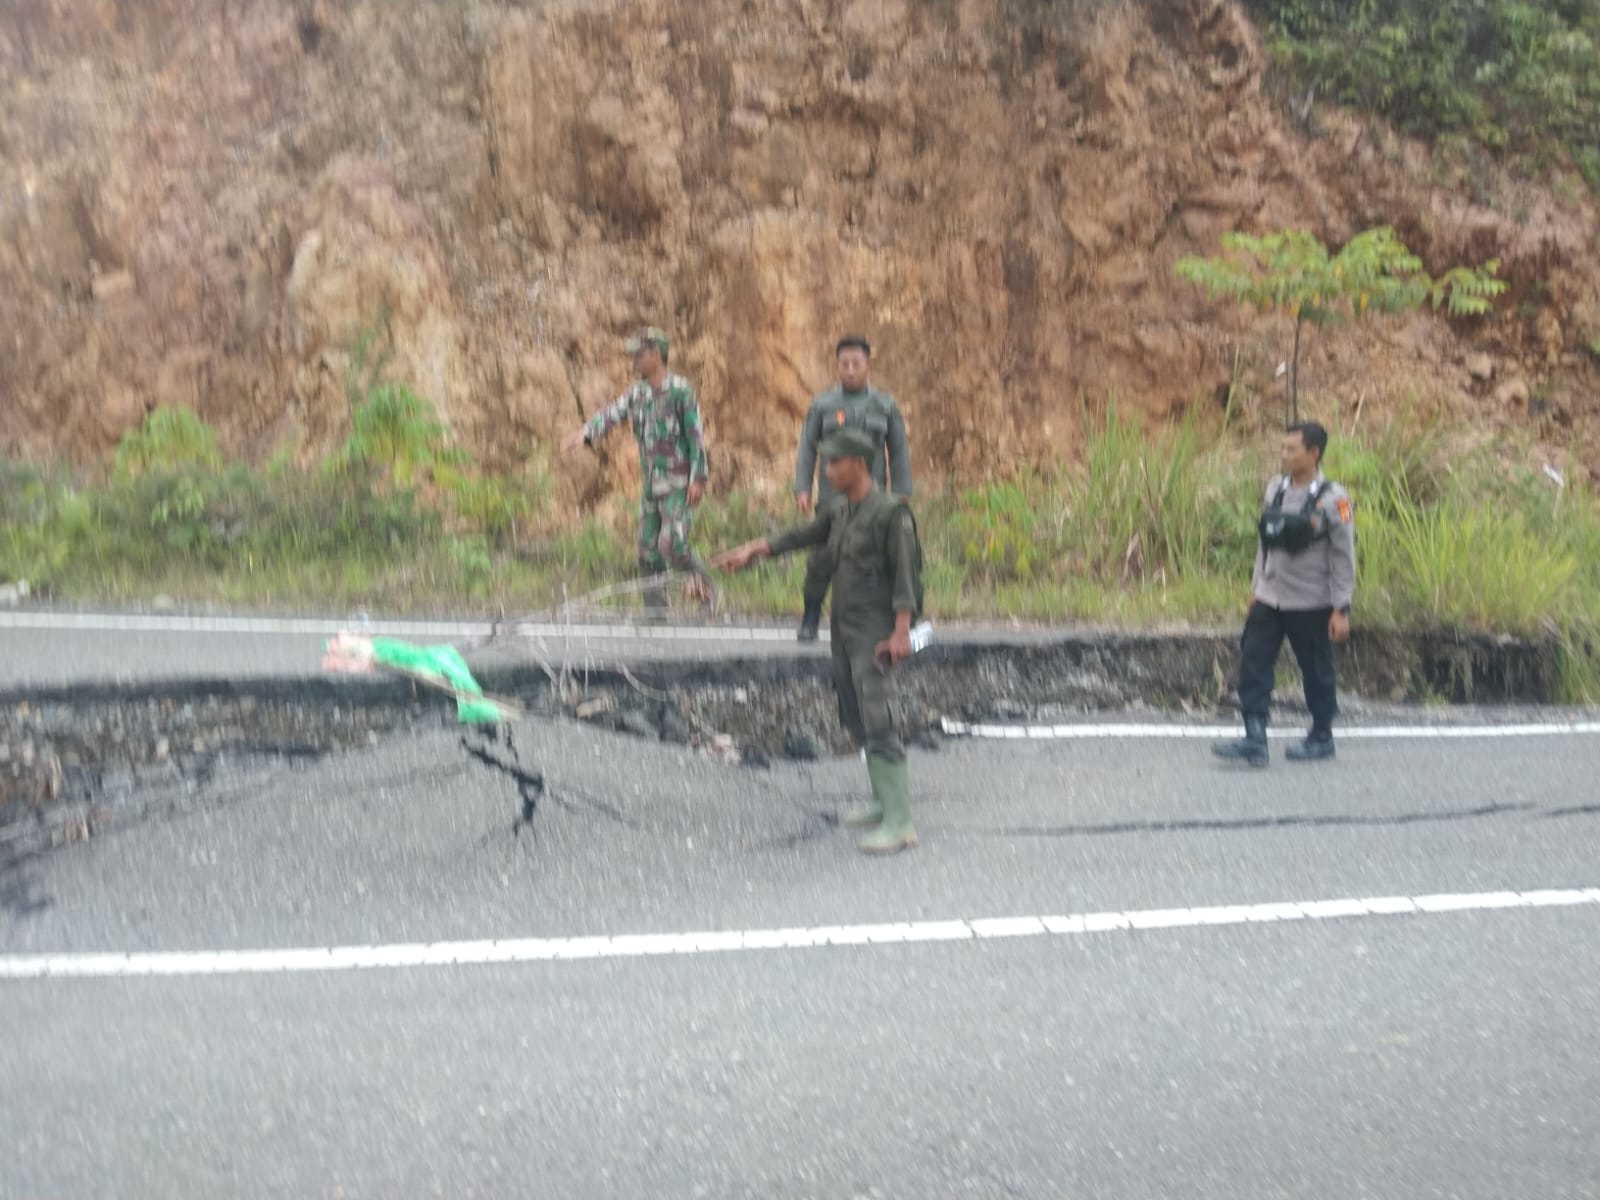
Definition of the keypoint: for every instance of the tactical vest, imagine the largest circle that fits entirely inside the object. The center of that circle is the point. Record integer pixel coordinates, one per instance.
(1293, 533)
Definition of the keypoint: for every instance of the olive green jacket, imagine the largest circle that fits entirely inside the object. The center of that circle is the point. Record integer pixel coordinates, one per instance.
(872, 412)
(876, 561)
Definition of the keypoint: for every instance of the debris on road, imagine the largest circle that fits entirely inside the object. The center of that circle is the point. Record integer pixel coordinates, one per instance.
(440, 667)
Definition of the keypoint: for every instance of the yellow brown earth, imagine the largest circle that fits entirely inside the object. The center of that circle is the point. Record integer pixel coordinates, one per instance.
(206, 203)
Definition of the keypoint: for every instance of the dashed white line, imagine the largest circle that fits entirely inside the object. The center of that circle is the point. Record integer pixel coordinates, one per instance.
(529, 950)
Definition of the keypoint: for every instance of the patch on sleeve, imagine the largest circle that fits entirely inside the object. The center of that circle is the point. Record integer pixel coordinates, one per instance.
(1345, 511)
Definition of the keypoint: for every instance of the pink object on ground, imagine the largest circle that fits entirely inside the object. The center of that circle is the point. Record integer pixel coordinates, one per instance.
(349, 653)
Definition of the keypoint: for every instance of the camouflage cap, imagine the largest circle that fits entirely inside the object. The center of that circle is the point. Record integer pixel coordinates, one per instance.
(848, 443)
(649, 336)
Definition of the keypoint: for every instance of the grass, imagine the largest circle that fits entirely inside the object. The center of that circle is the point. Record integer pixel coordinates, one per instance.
(1147, 528)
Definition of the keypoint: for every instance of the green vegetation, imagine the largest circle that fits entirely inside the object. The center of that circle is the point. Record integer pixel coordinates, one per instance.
(1293, 273)
(397, 511)
(1147, 527)
(1518, 77)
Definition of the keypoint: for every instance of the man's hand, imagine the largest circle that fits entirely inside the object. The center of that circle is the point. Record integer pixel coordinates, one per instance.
(741, 557)
(1339, 627)
(1250, 604)
(574, 442)
(894, 649)
(697, 491)
(802, 501)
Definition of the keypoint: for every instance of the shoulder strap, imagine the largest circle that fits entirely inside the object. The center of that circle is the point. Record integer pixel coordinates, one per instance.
(885, 521)
(1321, 489)
(882, 518)
(896, 506)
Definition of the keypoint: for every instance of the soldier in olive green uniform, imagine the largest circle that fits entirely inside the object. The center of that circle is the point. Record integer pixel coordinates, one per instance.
(875, 561)
(851, 404)
(665, 416)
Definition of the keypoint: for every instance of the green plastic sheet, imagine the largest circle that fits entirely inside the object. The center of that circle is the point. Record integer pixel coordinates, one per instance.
(444, 664)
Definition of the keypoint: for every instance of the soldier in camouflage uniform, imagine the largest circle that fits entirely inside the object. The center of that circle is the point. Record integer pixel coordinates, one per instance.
(665, 416)
(853, 403)
(875, 562)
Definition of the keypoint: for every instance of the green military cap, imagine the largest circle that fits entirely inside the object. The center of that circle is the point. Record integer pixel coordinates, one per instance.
(649, 336)
(848, 443)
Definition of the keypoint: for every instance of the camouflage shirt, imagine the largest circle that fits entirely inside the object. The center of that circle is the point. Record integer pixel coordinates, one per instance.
(672, 449)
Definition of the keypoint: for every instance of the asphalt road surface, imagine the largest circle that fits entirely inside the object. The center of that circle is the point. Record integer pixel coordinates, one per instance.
(682, 980)
(52, 649)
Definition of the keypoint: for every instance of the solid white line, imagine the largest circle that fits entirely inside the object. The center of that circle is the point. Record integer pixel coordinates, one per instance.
(1116, 732)
(524, 950)
(292, 626)
(326, 627)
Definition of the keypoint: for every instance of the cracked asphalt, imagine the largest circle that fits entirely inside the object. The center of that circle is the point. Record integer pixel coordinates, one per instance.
(1447, 1055)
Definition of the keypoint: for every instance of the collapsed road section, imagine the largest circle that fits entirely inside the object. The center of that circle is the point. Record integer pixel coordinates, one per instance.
(78, 760)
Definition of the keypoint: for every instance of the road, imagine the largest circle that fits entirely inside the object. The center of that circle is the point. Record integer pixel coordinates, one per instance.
(701, 989)
(51, 649)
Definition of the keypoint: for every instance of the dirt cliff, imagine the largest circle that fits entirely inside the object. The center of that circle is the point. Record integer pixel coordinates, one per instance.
(206, 201)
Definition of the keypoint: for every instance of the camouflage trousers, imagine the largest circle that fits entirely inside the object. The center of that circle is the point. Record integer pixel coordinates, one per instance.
(869, 699)
(664, 535)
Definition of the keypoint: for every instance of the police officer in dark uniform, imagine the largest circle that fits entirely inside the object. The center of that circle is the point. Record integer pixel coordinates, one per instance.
(1305, 577)
(852, 404)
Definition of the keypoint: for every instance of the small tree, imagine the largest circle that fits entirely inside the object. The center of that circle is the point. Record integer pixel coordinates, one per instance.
(1292, 272)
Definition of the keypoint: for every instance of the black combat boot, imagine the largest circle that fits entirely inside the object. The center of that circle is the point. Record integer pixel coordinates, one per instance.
(1318, 745)
(810, 622)
(1252, 748)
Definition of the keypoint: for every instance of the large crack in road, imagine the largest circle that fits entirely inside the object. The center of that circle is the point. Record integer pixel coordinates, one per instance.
(78, 761)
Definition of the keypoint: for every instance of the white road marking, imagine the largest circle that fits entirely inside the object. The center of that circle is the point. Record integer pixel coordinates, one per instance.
(525, 950)
(292, 626)
(326, 627)
(1116, 732)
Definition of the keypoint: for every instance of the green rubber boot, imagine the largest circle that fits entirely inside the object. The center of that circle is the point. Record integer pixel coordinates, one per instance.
(891, 788)
(870, 814)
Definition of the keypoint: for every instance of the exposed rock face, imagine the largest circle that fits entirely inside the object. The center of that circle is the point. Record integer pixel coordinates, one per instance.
(207, 203)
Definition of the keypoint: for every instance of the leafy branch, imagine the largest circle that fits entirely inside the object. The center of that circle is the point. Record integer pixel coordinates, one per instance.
(1292, 272)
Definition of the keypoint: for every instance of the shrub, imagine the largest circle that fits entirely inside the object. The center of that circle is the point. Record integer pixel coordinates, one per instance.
(1516, 76)
(168, 439)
